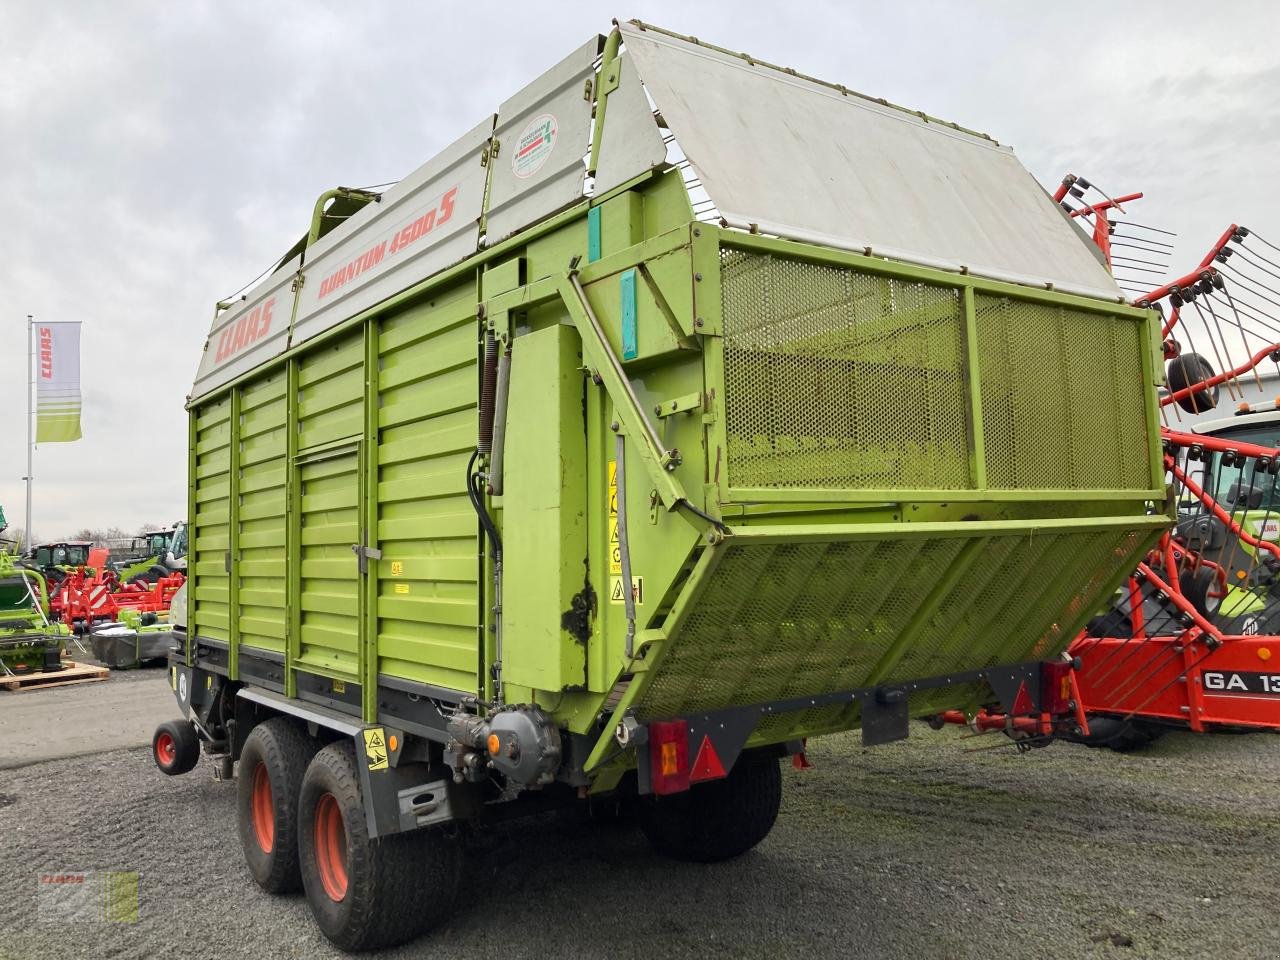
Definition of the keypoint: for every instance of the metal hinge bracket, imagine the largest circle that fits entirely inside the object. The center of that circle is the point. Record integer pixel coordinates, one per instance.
(364, 554)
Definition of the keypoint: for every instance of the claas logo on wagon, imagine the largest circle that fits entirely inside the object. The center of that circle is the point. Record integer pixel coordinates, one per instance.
(256, 324)
(249, 329)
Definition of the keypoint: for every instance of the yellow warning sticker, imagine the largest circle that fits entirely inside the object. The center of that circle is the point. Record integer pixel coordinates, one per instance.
(375, 748)
(617, 596)
(338, 686)
(402, 588)
(397, 567)
(615, 548)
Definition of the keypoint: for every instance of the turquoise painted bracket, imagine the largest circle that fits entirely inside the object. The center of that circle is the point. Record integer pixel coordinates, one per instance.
(593, 235)
(627, 292)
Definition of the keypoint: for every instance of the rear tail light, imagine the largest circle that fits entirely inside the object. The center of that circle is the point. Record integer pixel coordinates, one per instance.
(1055, 687)
(669, 756)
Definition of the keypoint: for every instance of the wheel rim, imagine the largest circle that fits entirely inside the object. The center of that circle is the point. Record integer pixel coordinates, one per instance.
(263, 810)
(331, 847)
(166, 750)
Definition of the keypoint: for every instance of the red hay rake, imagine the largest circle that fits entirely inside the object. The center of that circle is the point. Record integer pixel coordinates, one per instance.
(83, 598)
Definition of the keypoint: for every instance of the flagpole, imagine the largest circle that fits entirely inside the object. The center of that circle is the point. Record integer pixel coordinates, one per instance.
(30, 440)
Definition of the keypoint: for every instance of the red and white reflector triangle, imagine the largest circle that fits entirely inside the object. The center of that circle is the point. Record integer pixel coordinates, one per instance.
(1022, 702)
(707, 765)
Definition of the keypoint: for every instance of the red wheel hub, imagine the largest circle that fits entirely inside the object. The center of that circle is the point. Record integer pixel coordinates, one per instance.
(331, 847)
(262, 809)
(166, 749)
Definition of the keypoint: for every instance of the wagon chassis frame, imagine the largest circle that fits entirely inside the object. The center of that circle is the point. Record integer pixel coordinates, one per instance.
(885, 718)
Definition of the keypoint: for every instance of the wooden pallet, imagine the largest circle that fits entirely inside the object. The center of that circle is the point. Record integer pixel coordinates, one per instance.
(73, 673)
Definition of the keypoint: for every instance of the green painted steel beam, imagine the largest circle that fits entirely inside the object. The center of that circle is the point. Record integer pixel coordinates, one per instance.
(293, 532)
(966, 528)
(631, 417)
(368, 467)
(606, 82)
(973, 368)
(233, 543)
(318, 211)
(191, 535)
(846, 495)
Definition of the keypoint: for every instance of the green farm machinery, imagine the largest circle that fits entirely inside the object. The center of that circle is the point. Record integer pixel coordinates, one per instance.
(31, 641)
(58, 559)
(151, 555)
(626, 444)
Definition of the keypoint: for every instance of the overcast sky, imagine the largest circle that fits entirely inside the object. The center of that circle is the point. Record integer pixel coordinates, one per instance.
(156, 156)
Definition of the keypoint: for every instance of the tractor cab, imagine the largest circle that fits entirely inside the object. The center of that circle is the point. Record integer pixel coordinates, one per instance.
(62, 556)
(154, 543)
(176, 557)
(1248, 490)
(152, 554)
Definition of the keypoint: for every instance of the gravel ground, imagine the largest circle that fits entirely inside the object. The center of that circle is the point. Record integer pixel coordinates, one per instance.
(924, 848)
(48, 723)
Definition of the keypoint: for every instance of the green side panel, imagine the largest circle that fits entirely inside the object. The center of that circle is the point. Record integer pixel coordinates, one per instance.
(789, 616)
(331, 393)
(327, 468)
(1076, 370)
(426, 594)
(211, 520)
(544, 514)
(260, 559)
(328, 580)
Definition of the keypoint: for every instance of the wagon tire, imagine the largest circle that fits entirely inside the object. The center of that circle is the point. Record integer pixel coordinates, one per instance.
(175, 747)
(272, 764)
(717, 820)
(368, 894)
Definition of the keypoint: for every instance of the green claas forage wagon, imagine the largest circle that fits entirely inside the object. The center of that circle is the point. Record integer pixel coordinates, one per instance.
(683, 409)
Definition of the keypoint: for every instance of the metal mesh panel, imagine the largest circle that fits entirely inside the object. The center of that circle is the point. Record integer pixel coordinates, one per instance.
(1063, 402)
(841, 379)
(1058, 578)
(793, 619)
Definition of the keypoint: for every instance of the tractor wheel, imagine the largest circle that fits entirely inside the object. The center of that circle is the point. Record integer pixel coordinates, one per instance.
(1122, 736)
(175, 747)
(717, 820)
(1189, 369)
(272, 763)
(367, 894)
